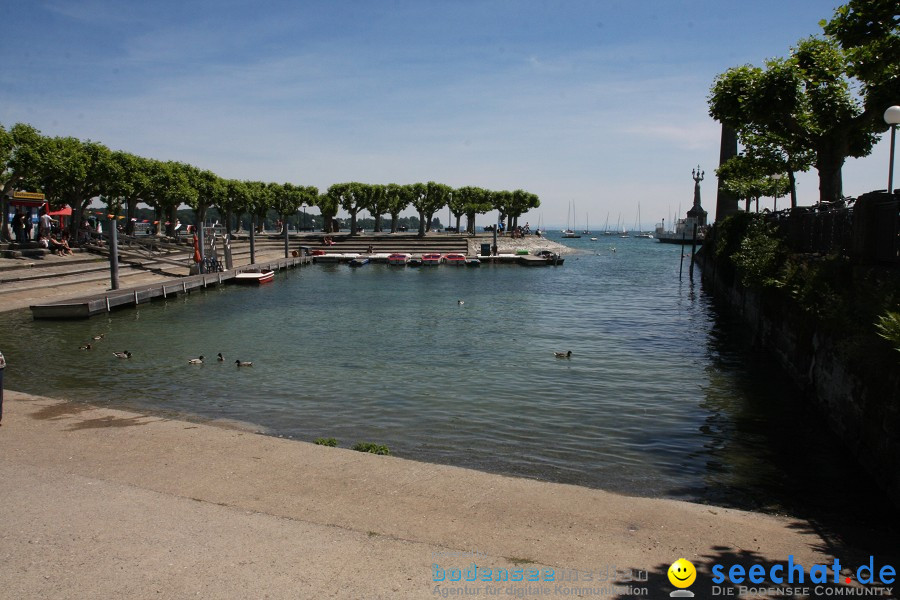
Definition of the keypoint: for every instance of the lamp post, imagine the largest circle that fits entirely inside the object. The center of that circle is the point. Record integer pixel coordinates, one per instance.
(777, 177)
(892, 117)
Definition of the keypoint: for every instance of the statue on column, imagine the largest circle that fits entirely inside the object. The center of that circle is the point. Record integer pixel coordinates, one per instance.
(697, 211)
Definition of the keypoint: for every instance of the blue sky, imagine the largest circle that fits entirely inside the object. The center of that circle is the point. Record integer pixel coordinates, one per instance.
(602, 103)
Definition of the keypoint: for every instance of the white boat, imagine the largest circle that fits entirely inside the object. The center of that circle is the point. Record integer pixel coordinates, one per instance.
(568, 232)
(637, 226)
(254, 277)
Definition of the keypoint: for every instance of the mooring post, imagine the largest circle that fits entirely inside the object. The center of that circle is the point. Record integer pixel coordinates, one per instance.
(253, 240)
(113, 254)
(693, 251)
(285, 239)
(681, 260)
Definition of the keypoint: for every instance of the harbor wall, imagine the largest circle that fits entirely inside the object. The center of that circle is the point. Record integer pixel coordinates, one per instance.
(859, 399)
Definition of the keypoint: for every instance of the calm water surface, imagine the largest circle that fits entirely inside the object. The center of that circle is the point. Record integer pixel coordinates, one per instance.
(659, 398)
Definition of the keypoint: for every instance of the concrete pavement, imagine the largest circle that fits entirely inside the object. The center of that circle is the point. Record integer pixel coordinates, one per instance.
(101, 503)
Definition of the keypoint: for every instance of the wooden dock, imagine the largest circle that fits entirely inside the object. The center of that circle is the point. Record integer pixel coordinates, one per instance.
(95, 304)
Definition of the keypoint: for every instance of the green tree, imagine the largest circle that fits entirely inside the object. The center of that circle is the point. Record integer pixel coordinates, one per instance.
(436, 197)
(805, 100)
(170, 187)
(286, 199)
(748, 178)
(502, 201)
(234, 203)
(74, 172)
(376, 202)
(869, 33)
(473, 200)
(260, 201)
(351, 197)
(20, 151)
(398, 198)
(417, 193)
(132, 183)
(328, 205)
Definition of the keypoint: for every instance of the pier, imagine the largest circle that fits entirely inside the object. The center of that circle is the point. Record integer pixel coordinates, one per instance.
(99, 303)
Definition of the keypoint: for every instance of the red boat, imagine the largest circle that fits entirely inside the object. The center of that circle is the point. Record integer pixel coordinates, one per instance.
(457, 260)
(431, 260)
(398, 258)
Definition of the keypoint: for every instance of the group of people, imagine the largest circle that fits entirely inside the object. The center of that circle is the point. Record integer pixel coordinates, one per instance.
(49, 236)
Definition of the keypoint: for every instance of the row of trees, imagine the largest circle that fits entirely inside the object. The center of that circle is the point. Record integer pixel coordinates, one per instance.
(75, 172)
(823, 103)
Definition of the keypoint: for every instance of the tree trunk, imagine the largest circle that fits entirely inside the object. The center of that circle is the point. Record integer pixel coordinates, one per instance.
(395, 219)
(171, 217)
(4, 227)
(829, 160)
(353, 221)
(228, 217)
(793, 182)
(458, 219)
(378, 223)
(129, 215)
(421, 224)
(158, 212)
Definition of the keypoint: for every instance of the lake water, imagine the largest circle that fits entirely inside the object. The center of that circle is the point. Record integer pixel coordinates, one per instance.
(661, 396)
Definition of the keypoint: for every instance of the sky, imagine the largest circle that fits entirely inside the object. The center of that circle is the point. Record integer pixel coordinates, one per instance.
(600, 105)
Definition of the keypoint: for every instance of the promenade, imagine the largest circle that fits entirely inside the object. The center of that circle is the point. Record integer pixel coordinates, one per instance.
(101, 503)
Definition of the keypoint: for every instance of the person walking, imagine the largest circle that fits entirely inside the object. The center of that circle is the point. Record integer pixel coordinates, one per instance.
(46, 223)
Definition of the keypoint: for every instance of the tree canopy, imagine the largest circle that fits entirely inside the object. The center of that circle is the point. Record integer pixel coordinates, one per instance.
(821, 104)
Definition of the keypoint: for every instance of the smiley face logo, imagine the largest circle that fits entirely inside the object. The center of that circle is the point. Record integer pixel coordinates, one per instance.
(682, 573)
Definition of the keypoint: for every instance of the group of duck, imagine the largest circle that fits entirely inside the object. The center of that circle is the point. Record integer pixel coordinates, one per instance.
(220, 358)
(125, 354)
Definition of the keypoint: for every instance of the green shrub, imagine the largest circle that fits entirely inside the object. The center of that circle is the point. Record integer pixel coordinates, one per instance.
(371, 448)
(888, 326)
(760, 256)
(331, 442)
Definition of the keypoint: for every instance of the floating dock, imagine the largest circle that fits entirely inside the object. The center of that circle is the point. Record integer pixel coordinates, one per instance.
(95, 304)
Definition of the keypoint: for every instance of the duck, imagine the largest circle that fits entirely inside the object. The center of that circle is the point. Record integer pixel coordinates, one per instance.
(460, 302)
(563, 354)
(99, 336)
(219, 357)
(196, 361)
(85, 347)
(243, 363)
(123, 354)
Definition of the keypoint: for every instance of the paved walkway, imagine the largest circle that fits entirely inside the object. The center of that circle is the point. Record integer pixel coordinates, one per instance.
(100, 503)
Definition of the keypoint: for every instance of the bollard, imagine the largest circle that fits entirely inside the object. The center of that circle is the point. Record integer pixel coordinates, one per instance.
(2, 368)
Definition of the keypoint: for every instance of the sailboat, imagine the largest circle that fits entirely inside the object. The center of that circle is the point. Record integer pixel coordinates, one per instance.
(637, 226)
(606, 230)
(568, 232)
(587, 227)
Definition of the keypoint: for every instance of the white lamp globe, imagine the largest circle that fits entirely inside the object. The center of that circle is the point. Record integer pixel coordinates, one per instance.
(892, 115)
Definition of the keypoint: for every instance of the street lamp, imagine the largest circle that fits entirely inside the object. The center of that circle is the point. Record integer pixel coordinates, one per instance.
(777, 177)
(892, 117)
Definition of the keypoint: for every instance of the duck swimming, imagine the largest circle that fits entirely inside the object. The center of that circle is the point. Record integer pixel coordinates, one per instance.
(563, 354)
(123, 354)
(196, 361)
(85, 347)
(243, 363)
(219, 357)
(99, 336)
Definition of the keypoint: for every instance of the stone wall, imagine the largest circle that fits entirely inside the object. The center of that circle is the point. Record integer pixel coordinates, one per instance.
(860, 401)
